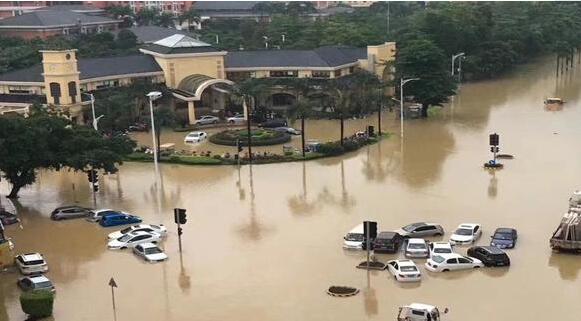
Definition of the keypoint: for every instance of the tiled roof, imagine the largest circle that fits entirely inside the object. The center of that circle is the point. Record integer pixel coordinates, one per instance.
(149, 34)
(332, 56)
(52, 18)
(92, 68)
(179, 44)
(224, 5)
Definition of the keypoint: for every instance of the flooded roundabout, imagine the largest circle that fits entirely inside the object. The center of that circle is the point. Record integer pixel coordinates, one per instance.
(265, 242)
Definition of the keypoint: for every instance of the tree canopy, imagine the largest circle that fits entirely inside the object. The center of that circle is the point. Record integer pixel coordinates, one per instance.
(42, 141)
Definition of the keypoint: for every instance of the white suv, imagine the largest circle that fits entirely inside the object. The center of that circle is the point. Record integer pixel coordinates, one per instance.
(31, 263)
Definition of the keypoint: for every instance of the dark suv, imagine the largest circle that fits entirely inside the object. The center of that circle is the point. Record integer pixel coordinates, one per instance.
(489, 255)
(387, 242)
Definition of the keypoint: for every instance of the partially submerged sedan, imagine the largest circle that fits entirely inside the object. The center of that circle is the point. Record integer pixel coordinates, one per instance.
(149, 252)
(452, 262)
(159, 229)
(417, 248)
(489, 255)
(132, 239)
(404, 270)
(466, 233)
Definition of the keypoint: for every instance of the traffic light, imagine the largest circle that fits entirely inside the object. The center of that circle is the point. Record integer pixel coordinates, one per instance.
(179, 216)
(180, 231)
(494, 139)
(93, 177)
(372, 231)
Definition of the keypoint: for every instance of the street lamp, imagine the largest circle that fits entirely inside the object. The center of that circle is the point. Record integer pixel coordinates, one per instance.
(265, 41)
(153, 96)
(403, 82)
(283, 37)
(454, 57)
(95, 119)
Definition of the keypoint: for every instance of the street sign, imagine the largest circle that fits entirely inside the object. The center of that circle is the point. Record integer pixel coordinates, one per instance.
(112, 283)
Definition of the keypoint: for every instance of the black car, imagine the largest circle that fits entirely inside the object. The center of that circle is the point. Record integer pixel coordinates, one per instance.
(67, 212)
(273, 123)
(387, 242)
(489, 255)
(504, 237)
(8, 218)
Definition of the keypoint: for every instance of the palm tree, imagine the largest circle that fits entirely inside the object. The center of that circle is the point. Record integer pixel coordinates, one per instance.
(246, 93)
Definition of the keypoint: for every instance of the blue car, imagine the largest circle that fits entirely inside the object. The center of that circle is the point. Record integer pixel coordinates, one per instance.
(504, 238)
(118, 219)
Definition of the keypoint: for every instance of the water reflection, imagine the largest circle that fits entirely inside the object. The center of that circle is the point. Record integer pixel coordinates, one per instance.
(300, 204)
(567, 264)
(492, 184)
(254, 230)
(370, 297)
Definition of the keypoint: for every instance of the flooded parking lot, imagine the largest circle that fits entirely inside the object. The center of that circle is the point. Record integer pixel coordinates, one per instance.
(264, 242)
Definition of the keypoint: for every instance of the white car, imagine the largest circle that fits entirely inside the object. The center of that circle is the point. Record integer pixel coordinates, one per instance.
(159, 229)
(466, 233)
(452, 262)
(440, 248)
(236, 119)
(404, 270)
(31, 263)
(149, 252)
(416, 248)
(205, 120)
(96, 215)
(195, 137)
(132, 239)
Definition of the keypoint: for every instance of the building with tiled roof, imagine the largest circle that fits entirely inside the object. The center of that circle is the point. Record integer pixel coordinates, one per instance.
(198, 75)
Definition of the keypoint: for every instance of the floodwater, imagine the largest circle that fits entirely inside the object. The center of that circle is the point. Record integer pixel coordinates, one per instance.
(264, 242)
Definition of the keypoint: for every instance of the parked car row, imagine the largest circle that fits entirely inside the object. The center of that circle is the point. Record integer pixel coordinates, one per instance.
(142, 239)
(33, 266)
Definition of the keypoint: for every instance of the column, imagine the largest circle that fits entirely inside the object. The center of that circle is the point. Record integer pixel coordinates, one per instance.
(191, 112)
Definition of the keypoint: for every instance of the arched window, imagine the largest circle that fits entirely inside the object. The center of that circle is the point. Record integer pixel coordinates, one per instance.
(73, 91)
(55, 92)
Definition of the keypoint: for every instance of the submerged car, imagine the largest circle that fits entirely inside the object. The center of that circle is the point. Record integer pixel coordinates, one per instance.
(387, 242)
(288, 130)
(452, 262)
(440, 248)
(466, 233)
(421, 229)
(31, 263)
(132, 239)
(8, 218)
(68, 212)
(489, 255)
(236, 119)
(206, 120)
(97, 215)
(404, 270)
(35, 283)
(504, 238)
(195, 137)
(149, 252)
(417, 248)
(159, 229)
(355, 239)
(118, 219)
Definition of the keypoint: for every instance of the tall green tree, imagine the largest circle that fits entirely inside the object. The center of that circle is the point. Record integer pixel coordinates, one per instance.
(164, 19)
(423, 59)
(146, 16)
(42, 141)
(191, 17)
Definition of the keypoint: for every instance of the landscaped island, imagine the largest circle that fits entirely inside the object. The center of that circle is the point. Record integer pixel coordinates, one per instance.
(328, 149)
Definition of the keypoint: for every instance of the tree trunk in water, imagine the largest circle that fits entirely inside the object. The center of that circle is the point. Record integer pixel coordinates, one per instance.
(379, 121)
(342, 128)
(425, 110)
(303, 134)
(249, 134)
(557, 65)
(14, 191)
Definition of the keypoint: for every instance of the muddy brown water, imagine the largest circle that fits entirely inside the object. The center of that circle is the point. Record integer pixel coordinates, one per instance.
(264, 243)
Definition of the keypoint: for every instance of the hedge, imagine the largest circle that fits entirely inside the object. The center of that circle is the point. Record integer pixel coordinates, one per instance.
(37, 304)
(260, 137)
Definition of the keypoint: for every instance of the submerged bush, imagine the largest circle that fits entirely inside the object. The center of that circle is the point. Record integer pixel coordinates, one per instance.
(37, 304)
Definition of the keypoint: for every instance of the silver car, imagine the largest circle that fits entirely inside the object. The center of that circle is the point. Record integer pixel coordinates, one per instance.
(421, 229)
(66, 212)
(206, 120)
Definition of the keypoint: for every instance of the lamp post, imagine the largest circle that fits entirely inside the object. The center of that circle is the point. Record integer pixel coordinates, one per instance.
(153, 96)
(95, 119)
(265, 42)
(454, 57)
(403, 82)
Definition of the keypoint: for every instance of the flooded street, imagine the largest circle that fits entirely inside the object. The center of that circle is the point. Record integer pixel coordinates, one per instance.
(264, 242)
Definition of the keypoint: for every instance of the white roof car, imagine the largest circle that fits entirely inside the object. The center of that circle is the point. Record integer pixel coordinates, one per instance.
(35, 283)
(238, 118)
(416, 248)
(452, 262)
(466, 233)
(131, 239)
(149, 252)
(404, 270)
(195, 137)
(96, 215)
(419, 312)
(440, 248)
(159, 229)
(31, 263)
(354, 239)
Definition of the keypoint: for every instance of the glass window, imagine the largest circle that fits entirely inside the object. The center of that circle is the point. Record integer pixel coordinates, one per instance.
(55, 92)
(476, 229)
(463, 260)
(408, 269)
(338, 73)
(463, 231)
(452, 261)
(321, 74)
(283, 73)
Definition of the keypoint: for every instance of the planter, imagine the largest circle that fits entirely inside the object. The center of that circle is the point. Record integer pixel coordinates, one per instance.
(37, 304)
(260, 137)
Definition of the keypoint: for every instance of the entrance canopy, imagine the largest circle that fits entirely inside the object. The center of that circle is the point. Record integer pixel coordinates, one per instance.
(193, 86)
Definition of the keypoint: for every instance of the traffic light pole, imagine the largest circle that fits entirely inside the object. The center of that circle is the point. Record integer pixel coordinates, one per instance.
(93, 188)
(368, 245)
(180, 237)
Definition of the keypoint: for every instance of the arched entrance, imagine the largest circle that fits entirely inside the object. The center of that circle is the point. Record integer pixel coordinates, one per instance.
(204, 95)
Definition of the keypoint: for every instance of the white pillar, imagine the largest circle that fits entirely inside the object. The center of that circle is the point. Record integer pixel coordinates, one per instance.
(191, 112)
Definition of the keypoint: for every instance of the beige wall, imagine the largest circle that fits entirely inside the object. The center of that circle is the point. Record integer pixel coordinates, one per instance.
(378, 55)
(33, 90)
(176, 69)
(61, 67)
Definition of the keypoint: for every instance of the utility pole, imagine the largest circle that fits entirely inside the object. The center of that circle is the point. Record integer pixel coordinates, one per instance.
(180, 218)
(367, 241)
(454, 57)
(403, 82)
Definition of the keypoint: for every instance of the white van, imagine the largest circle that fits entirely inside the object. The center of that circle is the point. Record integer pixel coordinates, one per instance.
(354, 239)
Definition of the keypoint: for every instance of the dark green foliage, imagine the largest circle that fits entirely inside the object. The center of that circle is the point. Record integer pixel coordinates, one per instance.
(37, 304)
(260, 137)
(331, 149)
(126, 39)
(42, 141)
